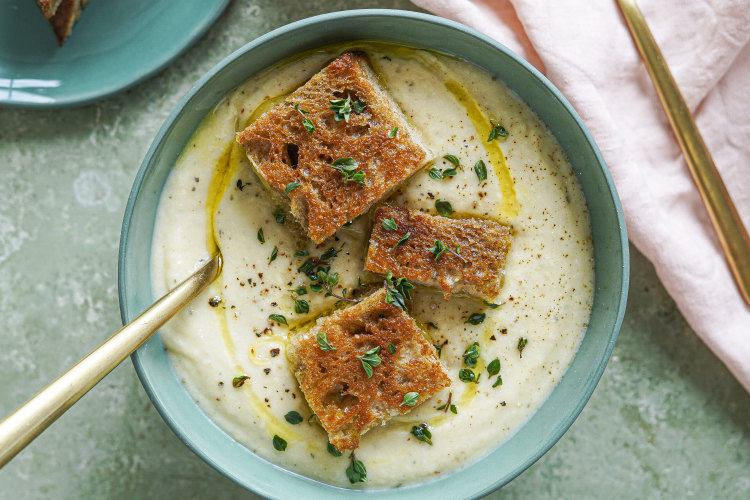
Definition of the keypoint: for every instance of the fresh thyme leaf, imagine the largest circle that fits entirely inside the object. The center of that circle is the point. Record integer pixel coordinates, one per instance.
(370, 359)
(439, 249)
(402, 240)
(454, 410)
(356, 472)
(422, 433)
(261, 238)
(390, 224)
(491, 305)
(522, 345)
(410, 398)
(432, 325)
(341, 109)
(346, 163)
(391, 348)
(301, 306)
(466, 375)
(301, 253)
(397, 290)
(471, 355)
(279, 318)
(444, 208)
(329, 254)
(458, 252)
(323, 342)
(358, 106)
(313, 418)
(493, 368)
(333, 451)
(499, 381)
(476, 318)
(238, 382)
(306, 121)
(481, 170)
(301, 290)
(345, 166)
(453, 159)
(279, 215)
(393, 133)
(291, 187)
(449, 172)
(316, 288)
(279, 443)
(497, 131)
(436, 174)
(274, 254)
(293, 417)
(438, 348)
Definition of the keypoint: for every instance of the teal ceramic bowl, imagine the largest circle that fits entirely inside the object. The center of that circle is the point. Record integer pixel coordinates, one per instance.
(608, 227)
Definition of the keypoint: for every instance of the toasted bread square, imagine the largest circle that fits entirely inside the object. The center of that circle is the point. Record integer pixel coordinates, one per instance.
(62, 15)
(283, 151)
(335, 383)
(476, 268)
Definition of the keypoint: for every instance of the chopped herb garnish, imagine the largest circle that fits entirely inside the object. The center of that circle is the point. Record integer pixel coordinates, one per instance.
(435, 174)
(493, 368)
(346, 166)
(499, 381)
(343, 107)
(491, 305)
(391, 348)
(301, 290)
(238, 382)
(444, 208)
(328, 254)
(466, 375)
(497, 131)
(522, 345)
(358, 106)
(471, 355)
(449, 172)
(301, 253)
(316, 288)
(261, 238)
(438, 348)
(333, 451)
(291, 187)
(279, 318)
(481, 170)
(279, 443)
(397, 290)
(356, 472)
(422, 433)
(393, 133)
(370, 359)
(453, 159)
(402, 240)
(279, 215)
(301, 306)
(323, 342)
(390, 224)
(306, 121)
(439, 249)
(274, 254)
(293, 417)
(476, 318)
(410, 399)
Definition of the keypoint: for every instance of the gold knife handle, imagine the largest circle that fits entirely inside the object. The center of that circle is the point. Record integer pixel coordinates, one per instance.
(28, 421)
(727, 223)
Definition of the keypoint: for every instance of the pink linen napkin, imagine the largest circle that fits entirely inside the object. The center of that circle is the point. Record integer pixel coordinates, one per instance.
(585, 49)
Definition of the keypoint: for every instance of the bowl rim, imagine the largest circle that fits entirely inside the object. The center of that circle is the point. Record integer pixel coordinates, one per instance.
(409, 490)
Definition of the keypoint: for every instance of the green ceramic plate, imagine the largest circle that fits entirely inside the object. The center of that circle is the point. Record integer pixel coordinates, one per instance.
(114, 45)
(608, 227)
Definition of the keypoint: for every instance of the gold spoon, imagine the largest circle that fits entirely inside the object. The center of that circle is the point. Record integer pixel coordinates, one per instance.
(28, 421)
(726, 221)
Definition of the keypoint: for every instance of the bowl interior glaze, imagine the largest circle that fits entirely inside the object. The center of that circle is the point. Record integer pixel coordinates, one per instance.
(558, 412)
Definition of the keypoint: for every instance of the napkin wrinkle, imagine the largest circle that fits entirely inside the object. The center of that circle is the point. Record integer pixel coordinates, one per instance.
(585, 49)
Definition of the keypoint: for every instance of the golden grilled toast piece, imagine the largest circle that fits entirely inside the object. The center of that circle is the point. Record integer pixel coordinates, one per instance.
(300, 162)
(335, 382)
(62, 15)
(471, 258)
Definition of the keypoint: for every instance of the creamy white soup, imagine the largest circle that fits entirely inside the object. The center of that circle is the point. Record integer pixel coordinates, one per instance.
(533, 328)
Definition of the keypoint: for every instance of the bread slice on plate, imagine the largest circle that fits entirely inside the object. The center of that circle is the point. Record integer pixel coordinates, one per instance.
(329, 363)
(456, 255)
(337, 144)
(62, 15)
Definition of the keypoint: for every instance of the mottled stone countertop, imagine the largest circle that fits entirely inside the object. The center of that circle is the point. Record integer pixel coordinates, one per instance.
(666, 421)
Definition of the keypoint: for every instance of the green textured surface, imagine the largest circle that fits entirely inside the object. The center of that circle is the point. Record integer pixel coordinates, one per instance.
(667, 419)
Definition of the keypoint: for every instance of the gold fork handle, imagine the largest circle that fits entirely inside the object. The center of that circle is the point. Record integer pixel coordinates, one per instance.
(28, 421)
(721, 210)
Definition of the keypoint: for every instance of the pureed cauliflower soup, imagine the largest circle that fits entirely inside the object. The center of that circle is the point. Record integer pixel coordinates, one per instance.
(230, 354)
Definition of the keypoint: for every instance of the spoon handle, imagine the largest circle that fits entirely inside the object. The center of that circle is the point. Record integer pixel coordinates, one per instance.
(726, 221)
(28, 421)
